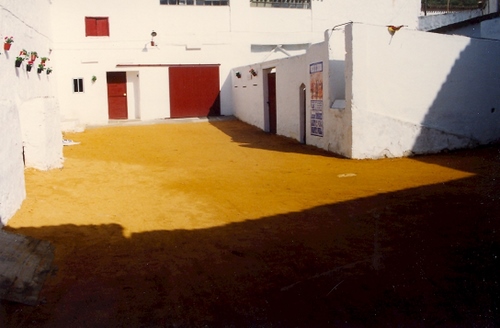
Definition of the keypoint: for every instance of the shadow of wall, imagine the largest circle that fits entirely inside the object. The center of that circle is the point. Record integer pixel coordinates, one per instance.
(426, 256)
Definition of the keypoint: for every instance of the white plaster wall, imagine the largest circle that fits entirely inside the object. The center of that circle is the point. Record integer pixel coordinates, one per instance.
(185, 35)
(154, 95)
(41, 131)
(329, 13)
(407, 100)
(290, 74)
(25, 93)
(12, 190)
(248, 95)
(191, 35)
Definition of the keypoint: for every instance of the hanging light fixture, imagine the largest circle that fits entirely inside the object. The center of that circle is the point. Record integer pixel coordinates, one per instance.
(153, 34)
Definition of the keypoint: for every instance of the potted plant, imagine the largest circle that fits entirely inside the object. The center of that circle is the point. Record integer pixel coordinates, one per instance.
(49, 70)
(19, 61)
(29, 66)
(8, 42)
(22, 56)
(33, 56)
(41, 68)
(44, 59)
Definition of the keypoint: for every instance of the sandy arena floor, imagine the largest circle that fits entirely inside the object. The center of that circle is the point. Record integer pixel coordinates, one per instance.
(218, 224)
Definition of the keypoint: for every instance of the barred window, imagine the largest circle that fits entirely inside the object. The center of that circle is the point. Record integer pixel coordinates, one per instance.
(302, 4)
(195, 2)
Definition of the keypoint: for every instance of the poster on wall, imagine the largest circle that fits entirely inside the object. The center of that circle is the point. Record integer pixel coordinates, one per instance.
(316, 84)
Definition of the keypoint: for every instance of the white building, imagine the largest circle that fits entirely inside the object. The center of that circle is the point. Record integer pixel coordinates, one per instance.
(157, 59)
(196, 44)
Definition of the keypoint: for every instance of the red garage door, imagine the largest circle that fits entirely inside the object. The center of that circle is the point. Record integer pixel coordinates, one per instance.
(194, 91)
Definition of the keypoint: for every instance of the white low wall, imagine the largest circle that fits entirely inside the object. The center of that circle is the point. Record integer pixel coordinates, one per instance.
(432, 22)
(418, 92)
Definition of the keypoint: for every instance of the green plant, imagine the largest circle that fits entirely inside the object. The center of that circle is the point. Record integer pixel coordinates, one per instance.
(23, 54)
(94, 78)
(9, 39)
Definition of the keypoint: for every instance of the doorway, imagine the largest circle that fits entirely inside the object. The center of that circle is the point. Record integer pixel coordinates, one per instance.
(117, 95)
(271, 101)
(302, 113)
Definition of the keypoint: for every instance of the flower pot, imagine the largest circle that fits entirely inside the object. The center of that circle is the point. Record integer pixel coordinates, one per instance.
(39, 70)
(28, 67)
(18, 63)
(152, 43)
(6, 46)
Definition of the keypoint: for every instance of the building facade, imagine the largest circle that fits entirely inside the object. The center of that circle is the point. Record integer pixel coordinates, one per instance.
(156, 59)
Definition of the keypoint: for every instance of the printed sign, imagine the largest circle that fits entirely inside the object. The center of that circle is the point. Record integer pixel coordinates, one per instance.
(316, 84)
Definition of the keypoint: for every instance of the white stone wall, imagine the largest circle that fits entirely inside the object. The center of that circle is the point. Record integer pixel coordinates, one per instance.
(27, 101)
(420, 92)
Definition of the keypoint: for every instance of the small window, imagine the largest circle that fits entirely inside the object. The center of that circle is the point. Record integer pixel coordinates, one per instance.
(78, 85)
(96, 26)
(301, 4)
(195, 2)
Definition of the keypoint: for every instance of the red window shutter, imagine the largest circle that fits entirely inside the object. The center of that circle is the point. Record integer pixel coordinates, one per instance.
(90, 26)
(102, 26)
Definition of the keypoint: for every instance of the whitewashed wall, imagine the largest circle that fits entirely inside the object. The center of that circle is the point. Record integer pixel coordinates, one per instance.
(420, 92)
(329, 13)
(230, 36)
(250, 94)
(29, 116)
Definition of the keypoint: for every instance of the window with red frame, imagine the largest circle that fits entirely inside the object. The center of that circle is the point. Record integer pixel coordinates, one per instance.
(96, 26)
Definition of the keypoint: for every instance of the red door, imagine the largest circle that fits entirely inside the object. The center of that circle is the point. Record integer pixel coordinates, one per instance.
(271, 101)
(194, 91)
(117, 95)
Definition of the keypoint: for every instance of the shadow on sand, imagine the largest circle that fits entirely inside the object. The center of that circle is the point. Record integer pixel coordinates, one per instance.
(427, 256)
